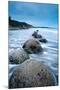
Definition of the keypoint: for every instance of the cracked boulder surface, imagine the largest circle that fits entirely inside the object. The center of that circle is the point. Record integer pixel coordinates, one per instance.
(32, 73)
(18, 56)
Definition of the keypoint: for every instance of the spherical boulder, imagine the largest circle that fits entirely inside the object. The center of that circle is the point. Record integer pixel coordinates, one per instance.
(32, 73)
(32, 46)
(18, 56)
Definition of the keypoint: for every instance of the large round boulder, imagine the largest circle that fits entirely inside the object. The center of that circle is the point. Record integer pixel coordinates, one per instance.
(18, 56)
(32, 46)
(32, 73)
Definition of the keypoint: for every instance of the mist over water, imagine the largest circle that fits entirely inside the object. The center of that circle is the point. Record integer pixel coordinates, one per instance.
(38, 15)
(49, 56)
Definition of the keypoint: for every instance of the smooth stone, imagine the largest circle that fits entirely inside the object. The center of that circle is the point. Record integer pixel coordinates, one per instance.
(32, 73)
(37, 36)
(43, 40)
(18, 56)
(32, 46)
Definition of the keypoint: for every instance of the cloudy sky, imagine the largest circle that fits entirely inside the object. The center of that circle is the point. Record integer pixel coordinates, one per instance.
(37, 14)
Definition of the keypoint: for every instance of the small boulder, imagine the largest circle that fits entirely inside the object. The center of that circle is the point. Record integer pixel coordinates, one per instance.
(32, 46)
(37, 35)
(43, 40)
(32, 73)
(18, 56)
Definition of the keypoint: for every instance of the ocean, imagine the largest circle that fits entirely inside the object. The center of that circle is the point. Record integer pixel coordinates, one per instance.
(49, 56)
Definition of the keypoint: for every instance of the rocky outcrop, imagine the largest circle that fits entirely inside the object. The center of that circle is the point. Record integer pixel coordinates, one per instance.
(32, 73)
(18, 56)
(39, 37)
(32, 46)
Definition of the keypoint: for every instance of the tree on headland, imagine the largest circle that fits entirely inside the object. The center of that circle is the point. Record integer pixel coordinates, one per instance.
(16, 24)
(9, 18)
